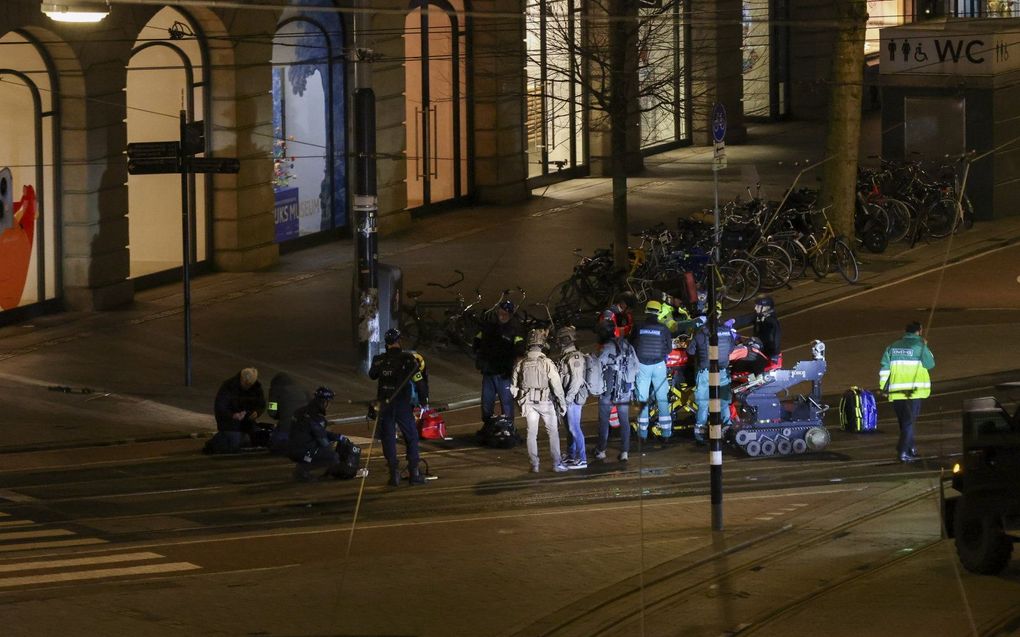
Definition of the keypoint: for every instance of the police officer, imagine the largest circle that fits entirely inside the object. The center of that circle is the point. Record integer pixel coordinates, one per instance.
(497, 345)
(653, 343)
(766, 327)
(396, 370)
(310, 445)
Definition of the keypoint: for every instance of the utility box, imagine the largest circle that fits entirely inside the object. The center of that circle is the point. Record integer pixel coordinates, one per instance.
(952, 87)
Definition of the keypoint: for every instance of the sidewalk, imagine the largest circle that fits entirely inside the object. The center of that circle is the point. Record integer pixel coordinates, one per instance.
(294, 317)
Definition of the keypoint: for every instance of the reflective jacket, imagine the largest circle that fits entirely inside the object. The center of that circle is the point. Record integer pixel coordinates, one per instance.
(905, 365)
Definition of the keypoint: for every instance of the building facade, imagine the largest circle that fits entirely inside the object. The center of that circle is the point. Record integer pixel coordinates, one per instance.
(477, 101)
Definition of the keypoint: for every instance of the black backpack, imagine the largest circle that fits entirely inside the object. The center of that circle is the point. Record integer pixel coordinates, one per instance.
(350, 458)
(500, 433)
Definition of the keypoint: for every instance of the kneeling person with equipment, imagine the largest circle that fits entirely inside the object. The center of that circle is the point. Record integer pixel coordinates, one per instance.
(310, 444)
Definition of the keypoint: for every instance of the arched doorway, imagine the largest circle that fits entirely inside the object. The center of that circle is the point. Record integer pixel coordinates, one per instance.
(309, 120)
(29, 176)
(164, 77)
(435, 67)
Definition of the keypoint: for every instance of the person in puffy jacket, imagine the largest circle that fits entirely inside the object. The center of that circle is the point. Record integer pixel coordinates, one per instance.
(310, 444)
(904, 378)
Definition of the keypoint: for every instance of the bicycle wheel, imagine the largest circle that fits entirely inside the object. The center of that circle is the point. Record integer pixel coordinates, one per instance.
(798, 256)
(409, 330)
(845, 260)
(822, 261)
(731, 286)
(900, 218)
(942, 217)
(775, 265)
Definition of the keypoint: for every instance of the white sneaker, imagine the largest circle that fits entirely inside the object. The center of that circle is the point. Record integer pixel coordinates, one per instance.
(624, 456)
(600, 455)
(560, 468)
(577, 464)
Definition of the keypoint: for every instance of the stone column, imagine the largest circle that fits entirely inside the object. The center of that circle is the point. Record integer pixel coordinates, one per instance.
(496, 62)
(716, 69)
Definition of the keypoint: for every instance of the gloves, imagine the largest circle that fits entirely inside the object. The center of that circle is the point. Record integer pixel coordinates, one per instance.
(700, 321)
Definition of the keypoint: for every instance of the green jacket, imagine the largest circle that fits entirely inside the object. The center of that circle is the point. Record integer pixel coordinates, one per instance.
(904, 371)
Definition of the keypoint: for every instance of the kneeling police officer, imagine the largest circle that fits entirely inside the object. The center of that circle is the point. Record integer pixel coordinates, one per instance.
(396, 370)
(311, 445)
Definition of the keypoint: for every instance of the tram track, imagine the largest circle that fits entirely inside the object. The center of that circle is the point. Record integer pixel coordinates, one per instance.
(599, 614)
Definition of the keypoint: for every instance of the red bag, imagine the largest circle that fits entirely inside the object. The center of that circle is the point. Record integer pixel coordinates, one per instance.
(431, 425)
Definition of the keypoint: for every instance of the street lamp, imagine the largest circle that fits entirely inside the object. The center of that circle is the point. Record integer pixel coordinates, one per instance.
(76, 10)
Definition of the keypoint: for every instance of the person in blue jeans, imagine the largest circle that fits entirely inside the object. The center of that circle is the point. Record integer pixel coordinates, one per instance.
(619, 370)
(652, 343)
(571, 368)
(698, 349)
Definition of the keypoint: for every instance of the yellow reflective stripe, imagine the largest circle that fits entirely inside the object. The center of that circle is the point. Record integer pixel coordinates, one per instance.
(518, 339)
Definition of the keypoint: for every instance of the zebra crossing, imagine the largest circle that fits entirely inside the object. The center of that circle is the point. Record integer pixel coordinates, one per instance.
(23, 535)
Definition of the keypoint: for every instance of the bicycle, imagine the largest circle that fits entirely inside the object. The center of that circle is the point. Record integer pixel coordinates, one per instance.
(442, 324)
(829, 250)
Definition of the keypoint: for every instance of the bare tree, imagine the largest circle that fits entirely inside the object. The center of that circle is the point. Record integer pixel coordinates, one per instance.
(621, 52)
(839, 179)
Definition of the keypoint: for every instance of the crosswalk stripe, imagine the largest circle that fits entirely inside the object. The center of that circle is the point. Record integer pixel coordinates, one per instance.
(75, 576)
(78, 561)
(26, 546)
(24, 535)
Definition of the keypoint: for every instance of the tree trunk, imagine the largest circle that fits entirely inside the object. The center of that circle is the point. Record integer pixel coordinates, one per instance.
(839, 178)
(619, 39)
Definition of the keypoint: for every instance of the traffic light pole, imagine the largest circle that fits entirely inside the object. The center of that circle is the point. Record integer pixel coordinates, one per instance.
(366, 200)
(186, 235)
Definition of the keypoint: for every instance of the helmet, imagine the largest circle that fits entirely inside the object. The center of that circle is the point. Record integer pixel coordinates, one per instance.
(653, 307)
(764, 305)
(566, 335)
(324, 394)
(753, 342)
(537, 337)
(507, 305)
(392, 336)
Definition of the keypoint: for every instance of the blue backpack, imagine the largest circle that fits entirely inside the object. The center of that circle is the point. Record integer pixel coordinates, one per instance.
(858, 412)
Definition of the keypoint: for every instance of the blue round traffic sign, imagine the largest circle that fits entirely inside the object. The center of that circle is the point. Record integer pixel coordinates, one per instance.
(719, 123)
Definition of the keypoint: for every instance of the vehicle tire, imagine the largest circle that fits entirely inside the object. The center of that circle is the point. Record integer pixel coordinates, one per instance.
(846, 262)
(783, 446)
(981, 541)
(768, 447)
(799, 446)
(753, 448)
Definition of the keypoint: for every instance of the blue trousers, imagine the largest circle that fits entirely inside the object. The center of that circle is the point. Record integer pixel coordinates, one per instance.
(398, 416)
(493, 386)
(652, 382)
(623, 411)
(701, 397)
(907, 411)
(575, 442)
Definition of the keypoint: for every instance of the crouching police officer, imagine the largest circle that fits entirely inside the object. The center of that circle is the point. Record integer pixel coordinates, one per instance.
(396, 370)
(310, 444)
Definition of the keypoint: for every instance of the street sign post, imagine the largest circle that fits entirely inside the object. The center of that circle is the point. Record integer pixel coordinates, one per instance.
(169, 157)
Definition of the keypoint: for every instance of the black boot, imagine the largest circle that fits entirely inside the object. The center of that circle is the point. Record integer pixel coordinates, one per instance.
(415, 476)
(394, 476)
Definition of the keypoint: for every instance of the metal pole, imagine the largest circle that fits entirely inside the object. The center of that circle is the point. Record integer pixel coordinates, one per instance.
(714, 420)
(186, 234)
(366, 201)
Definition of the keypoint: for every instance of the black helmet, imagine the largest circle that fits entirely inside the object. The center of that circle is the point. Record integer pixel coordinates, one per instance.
(324, 394)
(392, 336)
(764, 305)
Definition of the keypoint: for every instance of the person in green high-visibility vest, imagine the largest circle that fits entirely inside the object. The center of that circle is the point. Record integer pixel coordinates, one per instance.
(904, 378)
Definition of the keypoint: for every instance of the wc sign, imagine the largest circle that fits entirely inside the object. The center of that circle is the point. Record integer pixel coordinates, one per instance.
(914, 51)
